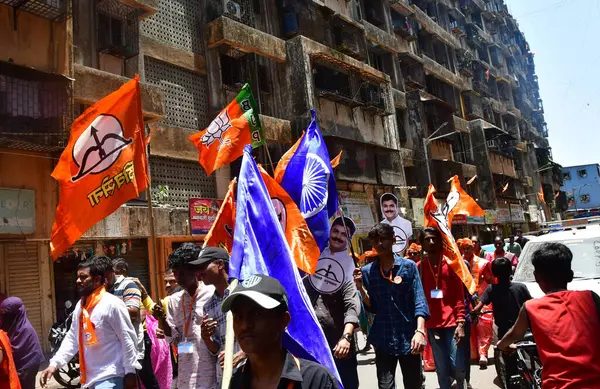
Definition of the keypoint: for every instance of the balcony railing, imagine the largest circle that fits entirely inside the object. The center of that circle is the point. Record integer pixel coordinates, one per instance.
(35, 109)
(117, 29)
(47, 9)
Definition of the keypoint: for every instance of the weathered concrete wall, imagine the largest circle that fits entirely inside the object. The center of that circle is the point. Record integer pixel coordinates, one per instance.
(37, 43)
(173, 55)
(485, 181)
(27, 170)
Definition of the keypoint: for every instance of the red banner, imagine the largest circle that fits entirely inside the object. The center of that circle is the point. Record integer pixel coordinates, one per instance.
(203, 213)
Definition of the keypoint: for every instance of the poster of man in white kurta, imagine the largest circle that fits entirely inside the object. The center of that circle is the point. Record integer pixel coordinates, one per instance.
(335, 264)
(402, 227)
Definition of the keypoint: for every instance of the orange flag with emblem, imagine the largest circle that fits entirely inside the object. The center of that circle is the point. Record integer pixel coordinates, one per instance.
(466, 205)
(437, 217)
(221, 232)
(236, 126)
(301, 241)
(103, 166)
(541, 194)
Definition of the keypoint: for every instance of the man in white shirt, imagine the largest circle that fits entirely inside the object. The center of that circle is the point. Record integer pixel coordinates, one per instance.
(183, 320)
(108, 345)
(402, 227)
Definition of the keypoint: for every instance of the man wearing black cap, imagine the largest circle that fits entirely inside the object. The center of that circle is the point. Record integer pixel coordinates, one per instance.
(213, 264)
(334, 297)
(260, 316)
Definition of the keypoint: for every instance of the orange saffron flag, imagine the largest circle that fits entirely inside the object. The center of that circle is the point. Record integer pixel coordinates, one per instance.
(336, 161)
(541, 194)
(465, 205)
(505, 188)
(236, 126)
(221, 232)
(103, 166)
(437, 217)
(301, 241)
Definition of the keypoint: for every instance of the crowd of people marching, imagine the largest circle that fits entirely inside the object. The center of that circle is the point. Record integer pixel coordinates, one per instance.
(415, 309)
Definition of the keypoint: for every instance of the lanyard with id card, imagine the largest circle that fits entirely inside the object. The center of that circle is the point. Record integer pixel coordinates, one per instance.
(436, 293)
(186, 347)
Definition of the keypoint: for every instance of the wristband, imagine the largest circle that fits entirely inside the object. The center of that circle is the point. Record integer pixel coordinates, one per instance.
(348, 337)
(420, 332)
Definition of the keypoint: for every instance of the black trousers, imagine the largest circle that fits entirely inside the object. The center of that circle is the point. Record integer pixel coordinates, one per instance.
(348, 369)
(146, 375)
(386, 370)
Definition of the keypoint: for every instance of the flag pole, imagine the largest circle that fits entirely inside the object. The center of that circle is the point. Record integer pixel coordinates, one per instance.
(266, 145)
(229, 341)
(151, 217)
(346, 228)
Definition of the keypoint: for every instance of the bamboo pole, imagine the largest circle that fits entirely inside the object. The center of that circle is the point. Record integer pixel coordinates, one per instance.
(229, 341)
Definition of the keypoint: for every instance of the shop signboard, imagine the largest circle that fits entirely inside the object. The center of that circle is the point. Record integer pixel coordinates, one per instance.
(503, 215)
(357, 207)
(203, 213)
(533, 214)
(17, 211)
(459, 220)
(491, 216)
(418, 205)
(516, 213)
(476, 220)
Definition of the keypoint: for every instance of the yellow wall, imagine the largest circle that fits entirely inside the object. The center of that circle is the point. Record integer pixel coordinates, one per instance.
(25, 170)
(37, 42)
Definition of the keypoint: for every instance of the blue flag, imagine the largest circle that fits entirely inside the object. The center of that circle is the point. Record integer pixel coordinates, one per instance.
(310, 182)
(260, 247)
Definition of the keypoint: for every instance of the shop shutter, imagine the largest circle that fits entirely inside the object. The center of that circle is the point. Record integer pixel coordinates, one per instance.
(137, 259)
(23, 275)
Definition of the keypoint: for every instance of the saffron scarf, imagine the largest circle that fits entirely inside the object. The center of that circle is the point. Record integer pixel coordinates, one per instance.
(9, 378)
(87, 333)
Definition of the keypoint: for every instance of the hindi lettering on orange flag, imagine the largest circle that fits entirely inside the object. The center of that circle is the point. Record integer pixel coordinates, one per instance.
(103, 166)
(221, 232)
(298, 236)
(437, 217)
(465, 205)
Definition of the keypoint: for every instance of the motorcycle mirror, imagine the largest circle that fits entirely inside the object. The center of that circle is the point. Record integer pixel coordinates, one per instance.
(68, 304)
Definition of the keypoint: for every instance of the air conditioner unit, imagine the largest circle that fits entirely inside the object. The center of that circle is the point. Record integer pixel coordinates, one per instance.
(232, 8)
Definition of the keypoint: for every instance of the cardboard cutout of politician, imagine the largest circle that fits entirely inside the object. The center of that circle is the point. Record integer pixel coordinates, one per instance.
(335, 266)
(402, 227)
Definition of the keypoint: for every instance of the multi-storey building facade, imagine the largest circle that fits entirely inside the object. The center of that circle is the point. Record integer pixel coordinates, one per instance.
(582, 188)
(408, 89)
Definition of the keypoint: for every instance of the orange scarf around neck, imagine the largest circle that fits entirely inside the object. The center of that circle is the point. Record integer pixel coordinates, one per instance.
(87, 333)
(9, 379)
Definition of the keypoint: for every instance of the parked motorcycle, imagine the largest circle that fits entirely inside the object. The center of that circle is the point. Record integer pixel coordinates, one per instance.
(529, 366)
(68, 376)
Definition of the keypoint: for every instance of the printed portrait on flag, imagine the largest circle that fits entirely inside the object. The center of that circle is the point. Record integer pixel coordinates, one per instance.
(402, 227)
(280, 211)
(335, 266)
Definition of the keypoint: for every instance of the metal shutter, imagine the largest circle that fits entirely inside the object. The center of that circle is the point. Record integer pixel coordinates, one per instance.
(137, 259)
(23, 280)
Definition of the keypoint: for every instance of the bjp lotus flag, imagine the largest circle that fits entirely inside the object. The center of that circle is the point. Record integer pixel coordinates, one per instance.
(237, 125)
(437, 217)
(103, 166)
(301, 241)
(221, 232)
(465, 205)
(541, 194)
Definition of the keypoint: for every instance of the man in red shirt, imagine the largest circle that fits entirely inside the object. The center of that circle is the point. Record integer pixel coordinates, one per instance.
(565, 324)
(501, 253)
(444, 293)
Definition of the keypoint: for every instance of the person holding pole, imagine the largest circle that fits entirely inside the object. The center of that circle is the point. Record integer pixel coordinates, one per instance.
(182, 321)
(391, 287)
(335, 299)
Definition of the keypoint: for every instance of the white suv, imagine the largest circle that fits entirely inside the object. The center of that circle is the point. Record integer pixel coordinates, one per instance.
(585, 245)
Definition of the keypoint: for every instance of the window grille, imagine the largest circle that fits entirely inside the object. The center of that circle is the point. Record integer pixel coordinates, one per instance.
(184, 179)
(117, 29)
(35, 109)
(47, 9)
(185, 94)
(177, 23)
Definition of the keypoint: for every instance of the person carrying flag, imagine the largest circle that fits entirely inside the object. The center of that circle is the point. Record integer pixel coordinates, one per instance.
(391, 287)
(101, 333)
(260, 316)
(445, 298)
(334, 297)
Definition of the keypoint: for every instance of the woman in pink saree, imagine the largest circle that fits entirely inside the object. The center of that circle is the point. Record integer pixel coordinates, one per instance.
(160, 355)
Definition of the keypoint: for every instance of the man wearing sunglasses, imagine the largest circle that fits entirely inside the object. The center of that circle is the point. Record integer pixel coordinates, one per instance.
(391, 288)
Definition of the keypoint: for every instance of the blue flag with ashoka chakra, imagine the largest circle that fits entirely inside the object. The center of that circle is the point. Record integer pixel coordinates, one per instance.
(310, 182)
(260, 247)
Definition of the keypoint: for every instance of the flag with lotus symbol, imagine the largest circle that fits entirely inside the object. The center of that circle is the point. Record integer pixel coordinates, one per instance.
(260, 247)
(309, 180)
(237, 125)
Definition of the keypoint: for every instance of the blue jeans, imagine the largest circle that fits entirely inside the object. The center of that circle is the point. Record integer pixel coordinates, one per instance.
(444, 355)
(110, 383)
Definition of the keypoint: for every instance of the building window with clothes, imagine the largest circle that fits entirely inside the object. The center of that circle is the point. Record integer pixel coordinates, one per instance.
(567, 176)
(585, 198)
(582, 173)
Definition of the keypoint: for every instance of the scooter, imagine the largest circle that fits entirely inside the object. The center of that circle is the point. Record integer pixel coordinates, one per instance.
(68, 376)
(529, 366)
